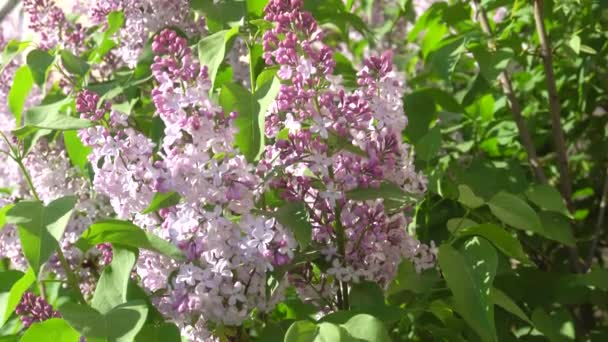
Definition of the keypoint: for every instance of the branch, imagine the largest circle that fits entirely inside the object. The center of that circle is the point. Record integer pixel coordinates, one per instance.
(507, 86)
(555, 107)
(8, 8)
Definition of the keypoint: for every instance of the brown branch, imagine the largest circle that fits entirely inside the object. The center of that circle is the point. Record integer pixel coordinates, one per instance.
(507, 86)
(555, 109)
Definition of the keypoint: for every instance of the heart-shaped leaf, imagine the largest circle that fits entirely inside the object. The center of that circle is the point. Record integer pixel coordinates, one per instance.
(40, 228)
(121, 324)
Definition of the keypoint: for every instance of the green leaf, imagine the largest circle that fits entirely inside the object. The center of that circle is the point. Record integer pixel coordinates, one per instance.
(106, 43)
(294, 216)
(116, 21)
(469, 274)
(588, 49)
(575, 44)
(3, 212)
(221, 14)
(31, 137)
(491, 64)
(54, 329)
(12, 49)
(557, 227)
(39, 62)
(121, 324)
(483, 108)
(395, 199)
(112, 286)
(557, 327)
(515, 212)
(165, 332)
(7, 281)
(433, 37)
(40, 228)
(547, 198)
(365, 295)
(454, 224)
(427, 147)
(50, 116)
(251, 110)
(500, 238)
(74, 64)
(367, 328)
(20, 90)
(467, 197)
(331, 332)
(597, 277)
(421, 110)
(255, 8)
(407, 279)
(126, 234)
(77, 151)
(264, 77)
(162, 200)
(446, 56)
(212, 50)
(13, 285)
(272, 332)
(301, 331)
(501, 299)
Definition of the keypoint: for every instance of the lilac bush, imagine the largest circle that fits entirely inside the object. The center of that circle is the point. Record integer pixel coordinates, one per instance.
(294, 170)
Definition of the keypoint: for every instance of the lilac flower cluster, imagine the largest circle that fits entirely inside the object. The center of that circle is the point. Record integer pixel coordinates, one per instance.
(50, 23)
(143, 18)
(224, 277)
(107, 253)
(34, 309)
(364, 241)
(86, 105)
(324, 141)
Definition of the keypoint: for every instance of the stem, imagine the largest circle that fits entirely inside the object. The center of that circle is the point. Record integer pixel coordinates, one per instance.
(507, 86)
(556, 126)
(345, 295)
(340, 239)
(251, 71)
(28, 179)
(599, 225)
(72, 280)
(339, 296)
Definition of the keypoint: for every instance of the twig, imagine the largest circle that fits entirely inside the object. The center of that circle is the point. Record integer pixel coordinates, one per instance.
(507, 86)
(599, 225)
